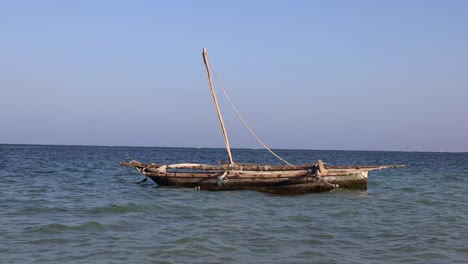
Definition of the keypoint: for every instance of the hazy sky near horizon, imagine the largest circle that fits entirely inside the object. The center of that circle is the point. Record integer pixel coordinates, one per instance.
(350, 75)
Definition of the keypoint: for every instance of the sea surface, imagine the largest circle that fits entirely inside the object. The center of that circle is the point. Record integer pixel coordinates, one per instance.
(75, 204)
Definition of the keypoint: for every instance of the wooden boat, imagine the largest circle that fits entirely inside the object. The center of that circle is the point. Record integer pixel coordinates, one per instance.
(277, 179)
(267, 178)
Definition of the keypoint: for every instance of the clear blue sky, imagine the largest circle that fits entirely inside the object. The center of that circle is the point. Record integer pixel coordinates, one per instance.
(351, 75)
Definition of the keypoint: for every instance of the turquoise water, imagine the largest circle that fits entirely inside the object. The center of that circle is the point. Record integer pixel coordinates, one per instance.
(74, 204)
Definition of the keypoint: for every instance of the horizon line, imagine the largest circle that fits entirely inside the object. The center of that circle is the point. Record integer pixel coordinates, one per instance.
(201, 147)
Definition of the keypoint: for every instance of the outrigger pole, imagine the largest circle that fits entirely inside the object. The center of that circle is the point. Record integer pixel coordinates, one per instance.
(215, 100)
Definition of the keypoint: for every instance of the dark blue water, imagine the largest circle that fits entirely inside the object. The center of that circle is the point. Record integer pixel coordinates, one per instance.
(74, 204)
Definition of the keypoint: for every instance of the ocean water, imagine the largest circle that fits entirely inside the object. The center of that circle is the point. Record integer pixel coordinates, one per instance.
(75, 204)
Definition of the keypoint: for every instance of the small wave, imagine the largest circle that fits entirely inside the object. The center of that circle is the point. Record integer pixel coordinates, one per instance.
(408, 189)
(47, 229)
(89, 226)
(47, 241)
(116, 209)
(61, 228)
(43, 210)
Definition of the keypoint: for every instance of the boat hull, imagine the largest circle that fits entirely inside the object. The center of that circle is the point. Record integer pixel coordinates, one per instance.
(240, 180)
(296, 185)
(297, 181)
(271, 179)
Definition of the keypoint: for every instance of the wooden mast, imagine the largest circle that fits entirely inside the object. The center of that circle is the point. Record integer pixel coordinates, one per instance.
(215, 100)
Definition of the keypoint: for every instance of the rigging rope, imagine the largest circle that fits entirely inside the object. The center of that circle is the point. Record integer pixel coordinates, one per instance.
(240, 117)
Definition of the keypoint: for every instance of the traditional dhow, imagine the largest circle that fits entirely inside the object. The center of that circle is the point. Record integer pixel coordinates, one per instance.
(286, 179)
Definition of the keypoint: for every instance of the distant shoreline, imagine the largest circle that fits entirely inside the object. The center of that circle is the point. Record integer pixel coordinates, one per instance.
(217, 148)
